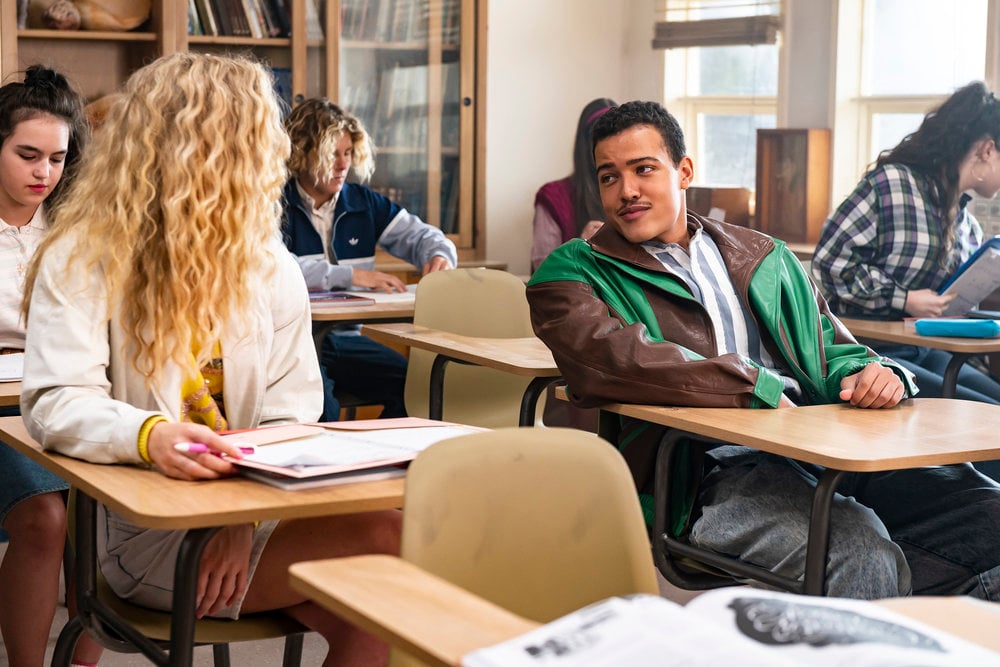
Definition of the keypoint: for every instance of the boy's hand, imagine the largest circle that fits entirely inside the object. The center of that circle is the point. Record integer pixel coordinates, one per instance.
(875, 386)
(376, 280)
(436, 263)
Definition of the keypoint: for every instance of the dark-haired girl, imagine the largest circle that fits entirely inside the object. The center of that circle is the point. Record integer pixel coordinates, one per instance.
(890, 246)
(42, 130)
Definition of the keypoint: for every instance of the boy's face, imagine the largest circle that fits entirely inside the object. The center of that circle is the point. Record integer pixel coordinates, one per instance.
(323, 190)
(641, 189)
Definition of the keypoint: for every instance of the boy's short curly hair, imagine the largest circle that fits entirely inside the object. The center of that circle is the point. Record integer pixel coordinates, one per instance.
(620, 118)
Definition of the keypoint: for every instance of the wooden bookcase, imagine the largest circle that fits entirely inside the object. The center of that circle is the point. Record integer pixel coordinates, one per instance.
(793, 183)
(407, 68)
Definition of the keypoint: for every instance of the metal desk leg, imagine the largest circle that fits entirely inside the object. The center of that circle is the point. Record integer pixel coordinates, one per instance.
(435, 399)
(108, 627)
(529, 402)
(819, 533)
(955, 364)
(186, 596)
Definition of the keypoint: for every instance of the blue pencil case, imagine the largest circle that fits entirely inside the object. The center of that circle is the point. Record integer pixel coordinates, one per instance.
(958, 327)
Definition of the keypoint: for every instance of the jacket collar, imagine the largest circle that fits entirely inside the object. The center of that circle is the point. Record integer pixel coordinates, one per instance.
(741, 248)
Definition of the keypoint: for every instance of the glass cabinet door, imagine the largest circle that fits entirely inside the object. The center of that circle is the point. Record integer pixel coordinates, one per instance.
(400, 72)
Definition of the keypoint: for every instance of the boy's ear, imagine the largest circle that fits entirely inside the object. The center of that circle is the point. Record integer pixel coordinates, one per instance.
(686, 170)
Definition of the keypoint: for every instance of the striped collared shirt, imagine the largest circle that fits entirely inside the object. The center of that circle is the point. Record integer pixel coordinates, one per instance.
(702, 269)
(884, 240)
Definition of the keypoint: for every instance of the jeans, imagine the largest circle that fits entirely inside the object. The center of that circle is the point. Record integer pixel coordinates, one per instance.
(358, 365)
(929, 531)
(928, 365)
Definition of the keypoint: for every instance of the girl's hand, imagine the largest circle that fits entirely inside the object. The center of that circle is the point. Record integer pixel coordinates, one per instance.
(926, 303)
(183, 465)
(222, 573)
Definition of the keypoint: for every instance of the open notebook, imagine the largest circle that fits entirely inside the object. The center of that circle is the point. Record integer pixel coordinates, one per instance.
(299, 456)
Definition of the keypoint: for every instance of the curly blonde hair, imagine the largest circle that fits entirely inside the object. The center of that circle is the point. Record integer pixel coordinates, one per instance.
(315, 126)
(176, 203)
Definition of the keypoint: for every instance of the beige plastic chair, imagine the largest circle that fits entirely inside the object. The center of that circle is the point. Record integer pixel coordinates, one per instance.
(155, 625)
(523, 525)
(540, 521)
(471, 302)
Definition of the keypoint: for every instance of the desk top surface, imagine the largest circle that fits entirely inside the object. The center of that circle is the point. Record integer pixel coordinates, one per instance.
(150, 499)
(899, 331)
(441, 622)
(519, 356)
(395, 265)
(387, 306)
(918, 432)
(10, 393)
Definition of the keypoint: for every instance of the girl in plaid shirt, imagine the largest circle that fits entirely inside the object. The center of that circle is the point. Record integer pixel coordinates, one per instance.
(890, 246)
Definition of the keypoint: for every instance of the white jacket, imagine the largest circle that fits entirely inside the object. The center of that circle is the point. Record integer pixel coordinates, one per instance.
(81, 396)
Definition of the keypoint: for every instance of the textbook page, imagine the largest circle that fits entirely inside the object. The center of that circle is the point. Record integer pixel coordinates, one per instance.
(821, 631)
(639, 631)
(974, 280)
(737, 626)
(11, 366)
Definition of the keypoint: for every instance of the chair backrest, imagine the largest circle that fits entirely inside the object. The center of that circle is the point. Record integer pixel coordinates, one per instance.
(471, 302)
(541, 521)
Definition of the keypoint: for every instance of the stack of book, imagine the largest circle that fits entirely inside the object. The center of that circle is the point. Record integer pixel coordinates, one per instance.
(245, 18)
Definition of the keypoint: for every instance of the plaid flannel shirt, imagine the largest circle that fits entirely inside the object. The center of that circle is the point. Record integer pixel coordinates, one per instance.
(883, 241)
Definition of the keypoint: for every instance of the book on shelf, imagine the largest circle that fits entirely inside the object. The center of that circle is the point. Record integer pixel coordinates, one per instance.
(340, 299)
(975, 279)
(253, 19)
(314, 28)
(193, 20)
(269, 18)
(735, 626)
(282, 12)
(310, 455)
(209, 25)
(220, 10)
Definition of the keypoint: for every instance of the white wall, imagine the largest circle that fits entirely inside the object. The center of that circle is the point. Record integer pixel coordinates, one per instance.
(545, 60)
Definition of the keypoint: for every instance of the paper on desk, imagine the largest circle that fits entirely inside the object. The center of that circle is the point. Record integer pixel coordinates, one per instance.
(734, 626)
(11, 367)
(327, 451)
(394, 297)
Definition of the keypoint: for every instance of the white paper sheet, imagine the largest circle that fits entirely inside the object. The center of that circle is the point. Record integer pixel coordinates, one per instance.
(11, 367)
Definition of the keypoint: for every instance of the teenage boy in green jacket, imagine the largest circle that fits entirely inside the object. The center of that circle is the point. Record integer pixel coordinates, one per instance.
(666, 307)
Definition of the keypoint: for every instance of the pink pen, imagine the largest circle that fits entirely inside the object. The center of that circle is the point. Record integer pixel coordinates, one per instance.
(201, 448)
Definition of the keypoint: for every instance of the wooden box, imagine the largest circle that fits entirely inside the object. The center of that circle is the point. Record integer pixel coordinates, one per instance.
(733, 202)
(793, 183)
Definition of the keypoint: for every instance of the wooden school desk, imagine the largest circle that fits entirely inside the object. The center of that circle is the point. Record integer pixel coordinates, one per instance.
(918, 432)
(900, 332)
(149, 499)
(439, 622)
(526, 357)
(10, 394)
(395, 307)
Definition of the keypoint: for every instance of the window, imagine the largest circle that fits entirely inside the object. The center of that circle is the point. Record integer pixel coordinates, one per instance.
(911, 55)
(722, 94)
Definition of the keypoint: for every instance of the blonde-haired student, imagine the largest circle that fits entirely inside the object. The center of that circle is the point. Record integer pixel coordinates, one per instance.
(163, 308)
(333, 227)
